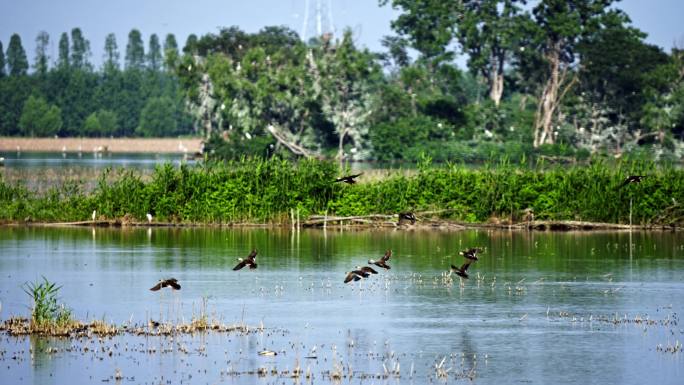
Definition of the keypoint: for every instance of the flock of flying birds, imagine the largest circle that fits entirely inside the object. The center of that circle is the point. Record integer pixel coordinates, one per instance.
(357, 274)
(360, 272)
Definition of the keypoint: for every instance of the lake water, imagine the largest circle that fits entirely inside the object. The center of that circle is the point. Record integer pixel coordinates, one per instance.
(86, 160)
(539, 308)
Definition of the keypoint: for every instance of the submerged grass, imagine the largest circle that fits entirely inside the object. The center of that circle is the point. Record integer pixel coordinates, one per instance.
(267, 191)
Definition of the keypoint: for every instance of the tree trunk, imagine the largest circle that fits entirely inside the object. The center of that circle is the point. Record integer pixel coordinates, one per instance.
(340, 145)
(548, 102)
(496, 88)
(496, 79)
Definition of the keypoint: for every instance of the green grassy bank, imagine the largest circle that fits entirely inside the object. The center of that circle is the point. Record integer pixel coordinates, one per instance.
(266, 191)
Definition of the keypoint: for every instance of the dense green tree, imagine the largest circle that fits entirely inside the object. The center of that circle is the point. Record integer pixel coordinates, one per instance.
(2, 62)
(135, 51)
(63, 58)
(428, 24)
(489, 33)
(39, 119)
(231, 41)
(157, 118)
(343, 77)
(16, 57)
(275, 38)
(111, 54)
(190, 47)
(615, 63)
(41, 61)
(171, 55)
(100, 123)
(77, 101)
(14, 90)
(397, 53)
(560, 25)
(80, 50)
(154, 54)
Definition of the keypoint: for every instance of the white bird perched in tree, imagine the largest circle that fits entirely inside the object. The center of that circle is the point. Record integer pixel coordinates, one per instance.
(94, 214)
(149, 218)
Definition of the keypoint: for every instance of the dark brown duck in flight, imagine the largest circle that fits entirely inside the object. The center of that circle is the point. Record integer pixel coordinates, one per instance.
(367, 269)
(632, 179)
(461, 271)
(349, 179)
(359, 273)
(172, 282)
(383, 261)
(249, 261)
(471, 253)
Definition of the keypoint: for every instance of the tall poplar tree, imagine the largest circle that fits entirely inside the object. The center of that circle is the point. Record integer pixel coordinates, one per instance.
(2, 61)
(41, 60)
(80, 50)
(135, 51)
(111, 54)
(170, 52)
(154, 55)
(63, 60)
(16, 57)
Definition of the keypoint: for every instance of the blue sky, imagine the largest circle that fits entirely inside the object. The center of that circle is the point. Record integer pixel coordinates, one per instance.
(96, 18)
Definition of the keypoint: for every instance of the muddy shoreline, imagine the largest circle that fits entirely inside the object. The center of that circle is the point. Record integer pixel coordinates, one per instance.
(116, 145)
(385, 225)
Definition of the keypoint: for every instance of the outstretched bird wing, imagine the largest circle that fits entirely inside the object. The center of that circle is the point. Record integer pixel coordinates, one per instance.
(240, 265)
(368, 269)
(157, 286)
(348, 178)
(252, 255)
(351, 276)
(387, 256)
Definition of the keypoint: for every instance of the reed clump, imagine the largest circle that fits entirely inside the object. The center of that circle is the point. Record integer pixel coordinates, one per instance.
(47, 316)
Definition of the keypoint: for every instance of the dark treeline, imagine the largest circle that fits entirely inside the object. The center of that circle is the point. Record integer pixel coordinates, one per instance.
(67, 96)
(558, 78)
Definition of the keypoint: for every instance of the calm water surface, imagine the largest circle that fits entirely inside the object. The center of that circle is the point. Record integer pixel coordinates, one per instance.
(55, 160)
(539, 308)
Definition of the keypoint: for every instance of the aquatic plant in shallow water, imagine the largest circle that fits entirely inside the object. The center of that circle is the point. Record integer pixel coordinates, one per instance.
(46, 312)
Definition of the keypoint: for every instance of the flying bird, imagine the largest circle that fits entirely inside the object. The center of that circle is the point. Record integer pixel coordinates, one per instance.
(632, 179)
(383, 261)
(355, 275)
(367, 269)
(461, 271)
(351, 276)
(172, 282)
(349, 179)
(471, 253)
(249, 261)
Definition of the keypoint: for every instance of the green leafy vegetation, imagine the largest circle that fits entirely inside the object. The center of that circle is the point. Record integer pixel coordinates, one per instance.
(263, 191)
